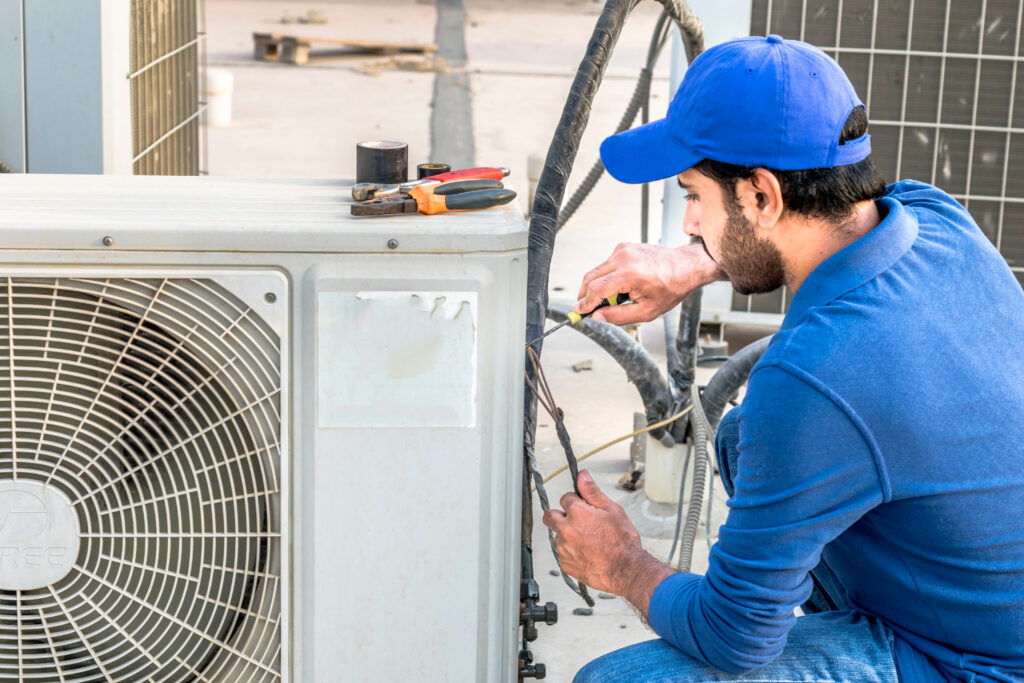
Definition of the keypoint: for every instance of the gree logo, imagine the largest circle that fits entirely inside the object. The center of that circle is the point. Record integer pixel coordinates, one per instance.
(23, 516)
(39, 535)
(33, 556)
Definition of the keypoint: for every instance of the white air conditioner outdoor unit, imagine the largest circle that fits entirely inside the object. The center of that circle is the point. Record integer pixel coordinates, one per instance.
(245, 436)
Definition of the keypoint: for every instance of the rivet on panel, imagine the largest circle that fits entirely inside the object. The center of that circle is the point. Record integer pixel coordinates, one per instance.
(108, 241)
(392, 244)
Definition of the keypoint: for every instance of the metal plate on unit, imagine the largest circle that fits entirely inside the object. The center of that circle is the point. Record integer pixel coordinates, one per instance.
(396, 359)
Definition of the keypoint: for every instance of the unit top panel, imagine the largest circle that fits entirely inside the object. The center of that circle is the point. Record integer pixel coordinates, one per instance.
(162, 213)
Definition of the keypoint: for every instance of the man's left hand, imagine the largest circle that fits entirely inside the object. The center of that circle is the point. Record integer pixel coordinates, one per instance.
(599, 545)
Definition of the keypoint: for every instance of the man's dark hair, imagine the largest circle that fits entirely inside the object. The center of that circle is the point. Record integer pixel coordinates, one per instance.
(824, 193)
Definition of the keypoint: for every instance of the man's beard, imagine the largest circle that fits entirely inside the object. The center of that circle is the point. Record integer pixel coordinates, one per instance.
(753, 264)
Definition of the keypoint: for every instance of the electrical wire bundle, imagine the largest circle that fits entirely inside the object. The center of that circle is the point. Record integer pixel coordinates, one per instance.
(546, 399)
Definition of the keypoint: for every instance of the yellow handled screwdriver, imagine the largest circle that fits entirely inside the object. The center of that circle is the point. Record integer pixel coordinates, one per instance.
(575, 317)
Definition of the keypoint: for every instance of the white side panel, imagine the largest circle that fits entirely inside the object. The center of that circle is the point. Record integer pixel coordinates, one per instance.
(117, 95)
(416, 526)
(12, 86)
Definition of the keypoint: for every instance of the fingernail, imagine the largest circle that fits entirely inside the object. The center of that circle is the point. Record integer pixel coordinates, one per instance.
(585, 476)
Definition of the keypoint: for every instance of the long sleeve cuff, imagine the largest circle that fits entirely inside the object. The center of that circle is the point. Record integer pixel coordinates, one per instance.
(666, 599)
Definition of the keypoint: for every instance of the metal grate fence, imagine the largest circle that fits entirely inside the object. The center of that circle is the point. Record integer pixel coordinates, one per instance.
(943, 83)
(166, 52)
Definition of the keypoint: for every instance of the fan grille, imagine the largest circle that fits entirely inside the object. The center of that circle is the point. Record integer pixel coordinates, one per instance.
(153, 407)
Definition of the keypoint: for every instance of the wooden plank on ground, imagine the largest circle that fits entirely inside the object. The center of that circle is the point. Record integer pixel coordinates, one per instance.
(277, 47)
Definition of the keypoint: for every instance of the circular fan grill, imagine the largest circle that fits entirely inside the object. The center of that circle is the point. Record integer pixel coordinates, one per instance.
(139, 483)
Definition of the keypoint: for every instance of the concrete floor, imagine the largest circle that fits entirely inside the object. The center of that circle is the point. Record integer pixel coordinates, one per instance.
(306, 121)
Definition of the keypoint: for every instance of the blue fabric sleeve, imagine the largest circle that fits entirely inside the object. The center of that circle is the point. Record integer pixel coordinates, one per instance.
(806, 473)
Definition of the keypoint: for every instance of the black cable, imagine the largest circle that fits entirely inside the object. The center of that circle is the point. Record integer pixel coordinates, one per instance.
(543, 223)
(640, 98)
(551, 189)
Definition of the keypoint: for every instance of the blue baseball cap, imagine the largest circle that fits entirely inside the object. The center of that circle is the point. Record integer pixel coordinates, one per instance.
(768, 102)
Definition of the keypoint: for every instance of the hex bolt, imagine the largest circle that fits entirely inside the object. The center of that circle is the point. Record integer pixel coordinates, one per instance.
(392, 244)
(108, 241)
(548, 613)
(270, 297)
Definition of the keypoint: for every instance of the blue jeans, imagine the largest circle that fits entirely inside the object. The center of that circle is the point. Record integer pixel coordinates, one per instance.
(831, 642)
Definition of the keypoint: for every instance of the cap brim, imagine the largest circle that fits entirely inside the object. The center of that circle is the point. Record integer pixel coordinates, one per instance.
(645, 154)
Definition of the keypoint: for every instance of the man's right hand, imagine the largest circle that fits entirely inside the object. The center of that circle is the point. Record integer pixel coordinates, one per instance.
(656, 278)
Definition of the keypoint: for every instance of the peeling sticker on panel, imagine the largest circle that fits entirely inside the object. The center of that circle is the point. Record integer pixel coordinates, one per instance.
(396, 359)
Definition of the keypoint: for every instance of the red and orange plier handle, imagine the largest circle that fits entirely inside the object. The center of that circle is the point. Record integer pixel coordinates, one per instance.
(460, 195)
(363, 191)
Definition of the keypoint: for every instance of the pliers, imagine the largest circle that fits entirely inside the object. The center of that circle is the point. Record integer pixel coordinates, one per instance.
(460, 195)
(363, 191)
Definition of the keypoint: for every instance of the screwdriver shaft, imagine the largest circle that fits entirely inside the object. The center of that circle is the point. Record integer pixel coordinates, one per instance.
(575, 317)
(556, 327)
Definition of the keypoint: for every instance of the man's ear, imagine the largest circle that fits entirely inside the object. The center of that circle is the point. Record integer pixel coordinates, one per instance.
(763, 196)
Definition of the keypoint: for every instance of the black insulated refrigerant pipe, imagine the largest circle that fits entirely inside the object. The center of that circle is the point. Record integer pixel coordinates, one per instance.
(558, 165)
(544, 215)
(640, 100)
(682, 366)
(693, 45)
(641, 368)
(548, 197)
(727, 380)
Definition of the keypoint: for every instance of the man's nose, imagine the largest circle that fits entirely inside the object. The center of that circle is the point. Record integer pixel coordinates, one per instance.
(691, 220)
(691, 226)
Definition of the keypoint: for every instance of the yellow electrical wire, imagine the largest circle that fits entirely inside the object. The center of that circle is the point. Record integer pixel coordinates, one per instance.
(648, 428)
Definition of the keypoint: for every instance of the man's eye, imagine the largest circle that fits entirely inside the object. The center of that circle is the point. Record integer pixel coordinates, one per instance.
(690, 197)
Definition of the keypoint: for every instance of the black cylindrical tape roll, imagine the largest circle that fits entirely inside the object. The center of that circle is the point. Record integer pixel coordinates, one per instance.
(427, 170)
(382, 162)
